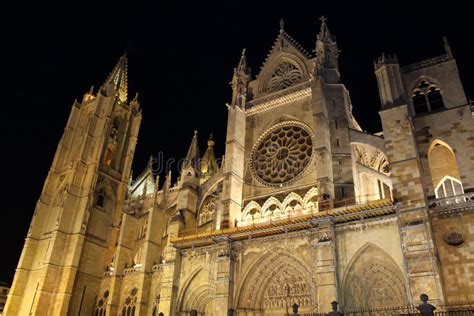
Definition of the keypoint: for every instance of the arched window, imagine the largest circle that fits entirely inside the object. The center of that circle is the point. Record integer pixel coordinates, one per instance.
(129, 305)
(444, 170)
(112, 143)
(447, 187)
(101, 308)
(207, 212)
(427, 98)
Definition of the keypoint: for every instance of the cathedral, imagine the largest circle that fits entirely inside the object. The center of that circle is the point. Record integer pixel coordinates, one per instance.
(305, 207)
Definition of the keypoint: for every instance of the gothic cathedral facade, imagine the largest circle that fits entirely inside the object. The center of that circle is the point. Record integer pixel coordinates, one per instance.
(306, 207)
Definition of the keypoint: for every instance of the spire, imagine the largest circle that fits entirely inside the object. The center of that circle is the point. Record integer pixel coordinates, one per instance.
(150, 164)
(242, 66)
(447, 48)
(327, 54)
(240, 82)
(166, 187)
(118, 78)
(324, 30)
(208, 165)
(193, 153)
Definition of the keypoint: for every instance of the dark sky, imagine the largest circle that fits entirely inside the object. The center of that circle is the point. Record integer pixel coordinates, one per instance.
(181, 59)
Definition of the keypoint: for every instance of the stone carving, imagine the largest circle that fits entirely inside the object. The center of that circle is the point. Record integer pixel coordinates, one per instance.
(372, 158)
(284, 76)
(285, 289)
(282, 153)
(273, 209)
(277, 282)
(453, 238)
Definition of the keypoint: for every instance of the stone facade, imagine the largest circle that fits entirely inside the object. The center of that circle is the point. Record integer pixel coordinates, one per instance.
(306, 207)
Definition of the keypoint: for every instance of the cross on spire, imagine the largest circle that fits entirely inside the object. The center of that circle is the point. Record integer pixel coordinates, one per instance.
(324, 28)
(282, 25)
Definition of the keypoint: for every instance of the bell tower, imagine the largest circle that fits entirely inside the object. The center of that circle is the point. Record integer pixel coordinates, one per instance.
(77, 216)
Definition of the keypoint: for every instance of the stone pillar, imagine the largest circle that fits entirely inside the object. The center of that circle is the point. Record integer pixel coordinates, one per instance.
(233, 167)
(224, 281)
(324, 245)
(323, 161)
(171, 267)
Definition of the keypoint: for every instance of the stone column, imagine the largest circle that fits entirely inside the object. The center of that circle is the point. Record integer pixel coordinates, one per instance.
(224, 280)
(171, 267)
(325, 265)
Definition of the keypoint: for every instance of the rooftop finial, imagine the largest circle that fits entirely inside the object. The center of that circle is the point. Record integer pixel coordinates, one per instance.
(242, 62)
(150, 163)
(324, 31)
(193, 152)
(208, 163)
(210, 142)
(282, 25)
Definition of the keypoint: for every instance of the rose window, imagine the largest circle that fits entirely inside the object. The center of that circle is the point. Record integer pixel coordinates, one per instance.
(282, 154)
(287, 74)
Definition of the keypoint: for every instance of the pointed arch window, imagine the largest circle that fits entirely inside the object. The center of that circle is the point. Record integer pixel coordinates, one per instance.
(101, 308)
(427, 98)
(447, 187)
(208, 210)
(128, 308)
(444, 170)
(112, 143)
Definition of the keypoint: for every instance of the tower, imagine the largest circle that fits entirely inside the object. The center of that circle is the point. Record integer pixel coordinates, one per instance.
(424, 128)
(234, 152)
(298, 94)
(77, 217)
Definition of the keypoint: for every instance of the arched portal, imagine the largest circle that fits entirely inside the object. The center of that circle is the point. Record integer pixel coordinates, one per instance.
(373, 280)
(274, 283)
(197, 295)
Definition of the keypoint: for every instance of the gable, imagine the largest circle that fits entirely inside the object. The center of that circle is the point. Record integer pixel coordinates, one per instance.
(287, 64)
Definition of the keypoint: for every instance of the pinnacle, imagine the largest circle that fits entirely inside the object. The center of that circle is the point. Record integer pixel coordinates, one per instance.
(118, 77)
(193, 152)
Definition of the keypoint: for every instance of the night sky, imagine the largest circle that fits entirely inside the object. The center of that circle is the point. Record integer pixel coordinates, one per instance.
(181, 60)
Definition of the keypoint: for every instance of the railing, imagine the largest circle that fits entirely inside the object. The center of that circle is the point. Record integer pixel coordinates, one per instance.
(136, 268)
(452, 200)
(460, 309)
